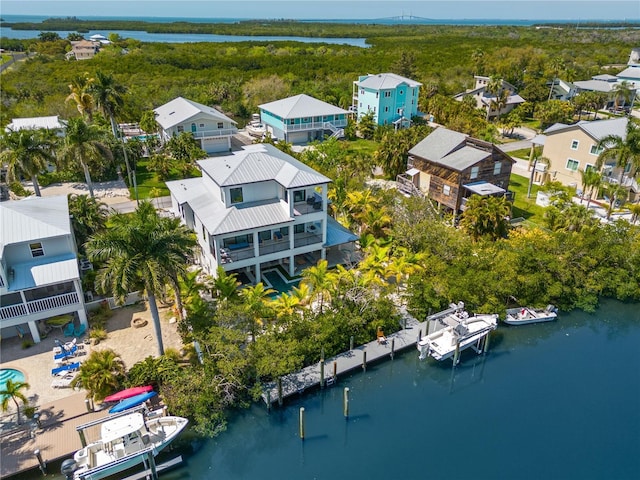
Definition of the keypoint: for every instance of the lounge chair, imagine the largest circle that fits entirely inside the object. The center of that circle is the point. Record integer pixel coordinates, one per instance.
(78, 332)
(71, 352)
(69, 329)
(63, 381)
(72, 367)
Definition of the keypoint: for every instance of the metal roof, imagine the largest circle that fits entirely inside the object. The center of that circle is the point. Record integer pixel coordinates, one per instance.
(259, 163)
(34, 123)
(597, 129)
(595, 85)
(337, 234)
(43, 271)
(301, 106)
(484, 188)
(450, 149)
(630, 72)
(33, 218)
(180, 110)
(386, 81)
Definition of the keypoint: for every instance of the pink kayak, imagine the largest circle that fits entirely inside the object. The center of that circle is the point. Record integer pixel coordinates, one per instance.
(128, 393)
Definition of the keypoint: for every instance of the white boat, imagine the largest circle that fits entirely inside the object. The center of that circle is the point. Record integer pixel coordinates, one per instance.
(125, 442)
(525, 315)
(456, 330)
(255, 128)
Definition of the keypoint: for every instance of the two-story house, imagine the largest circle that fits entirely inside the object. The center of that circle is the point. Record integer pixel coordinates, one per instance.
(211, 129)
(84, 49)
(488, 100)
(256, 209)
(302, 119)
(574, 148)
(39, 274)
(448, 167)
(391, 98)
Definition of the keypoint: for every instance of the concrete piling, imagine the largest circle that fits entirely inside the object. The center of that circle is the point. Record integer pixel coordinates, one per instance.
(393, 347)
(351, 343)
(322, 373)
(456, 355)
(280, 391)
(345, 402)
(364, 360)
(301, 423)
(41, 464)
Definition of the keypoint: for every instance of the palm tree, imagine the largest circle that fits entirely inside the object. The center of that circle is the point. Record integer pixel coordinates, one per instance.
(556, 65)
(141, 249)
(109, 97)
(101, 374)
(486, 216)
(83, 143)
(591, 181)
(25, 152)
(88, 216)
(623, 91)
(80, 94)
(225, 286)
(613, 194)
(255, 299)
(625, 150)
(319, 280)
(285, 305)
(12, 391)
(634, 208)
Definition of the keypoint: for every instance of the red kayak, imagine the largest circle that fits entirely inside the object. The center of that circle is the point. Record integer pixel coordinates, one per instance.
(128, 393)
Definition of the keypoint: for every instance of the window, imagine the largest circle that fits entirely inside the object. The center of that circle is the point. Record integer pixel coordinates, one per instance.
(386, 109)
(236, 195)
(589, 167)
(299, 228)
(204, 233)
(362, 92)
(474, 172)
(374, 109)
(497, 168)
(284, 231)
(265, 235)
(401, 92)
(202, 125)
(377, 93)
(291, 122)
(595, 150)
(180, 129)
(299, 196)
(399, 111)
(574, 144)
(220, 125)
(36, 249)
(305, 120)
(387, 94)
(572, 165)
(446, 190)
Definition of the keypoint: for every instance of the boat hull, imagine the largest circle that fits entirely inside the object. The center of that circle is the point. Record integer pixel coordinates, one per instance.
(526, 316)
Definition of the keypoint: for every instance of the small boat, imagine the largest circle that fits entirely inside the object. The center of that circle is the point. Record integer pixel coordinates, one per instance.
(526, 315)
(125, 442)
(255, 128)
(128, 393)
(132, 402)
(456, 330)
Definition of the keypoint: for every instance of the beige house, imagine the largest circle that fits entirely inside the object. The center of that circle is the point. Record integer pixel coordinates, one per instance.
(572, 148)
(83, 49)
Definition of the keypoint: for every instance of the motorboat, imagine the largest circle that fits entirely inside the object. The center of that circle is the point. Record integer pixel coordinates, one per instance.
(255, 128)
(526, 315)
(455, 330)
(125, 442)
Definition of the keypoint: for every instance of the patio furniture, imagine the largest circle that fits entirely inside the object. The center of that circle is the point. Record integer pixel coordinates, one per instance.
(63, 381)
(60, 321)
(68, 330)
(72, 367)
(66, 353)
(78, 332)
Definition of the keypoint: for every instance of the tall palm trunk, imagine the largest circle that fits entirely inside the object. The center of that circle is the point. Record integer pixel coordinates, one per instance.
(36, 185)
(153, 306)
(87, 178)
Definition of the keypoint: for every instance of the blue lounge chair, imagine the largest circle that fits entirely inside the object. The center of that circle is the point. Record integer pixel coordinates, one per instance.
(72, 367)
(78, 332)
(69, 330)
(66, 353)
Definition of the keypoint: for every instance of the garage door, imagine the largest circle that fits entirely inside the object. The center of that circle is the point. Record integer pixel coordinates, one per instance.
(215, 145)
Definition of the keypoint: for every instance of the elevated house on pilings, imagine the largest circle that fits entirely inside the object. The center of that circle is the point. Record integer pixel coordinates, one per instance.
(448, 167)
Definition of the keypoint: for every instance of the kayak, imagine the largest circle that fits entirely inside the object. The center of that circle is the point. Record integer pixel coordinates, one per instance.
(132, 402)
(128, 393)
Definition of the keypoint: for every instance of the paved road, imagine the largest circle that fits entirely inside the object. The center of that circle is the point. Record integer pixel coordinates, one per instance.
(15, 58)
(128, 207)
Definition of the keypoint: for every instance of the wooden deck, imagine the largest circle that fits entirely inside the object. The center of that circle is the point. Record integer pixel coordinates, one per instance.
(56, 439)
(353, 359)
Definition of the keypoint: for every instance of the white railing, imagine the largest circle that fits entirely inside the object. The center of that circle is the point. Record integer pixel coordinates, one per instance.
(313, 125)
(50, 303)
(12, 311)
(223, 132)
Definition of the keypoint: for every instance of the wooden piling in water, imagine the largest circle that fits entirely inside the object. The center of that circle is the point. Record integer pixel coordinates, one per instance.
(364, 360)
(486, 343)
(345, 402)
(335, 371)
(280, 391)
(456, 355)
(393, 347)
(152, 465)
(301, 423)
(322, 373)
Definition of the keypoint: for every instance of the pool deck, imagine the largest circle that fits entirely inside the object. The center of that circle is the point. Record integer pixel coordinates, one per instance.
(309, 377)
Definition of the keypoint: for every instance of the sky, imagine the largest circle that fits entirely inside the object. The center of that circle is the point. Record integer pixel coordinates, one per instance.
(333, 9)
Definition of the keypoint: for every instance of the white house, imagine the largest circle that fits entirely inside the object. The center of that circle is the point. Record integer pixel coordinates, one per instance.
(211, 128)
(486, 100)
(35, 123)
(39, 274)
(302, 118)
(256, 209)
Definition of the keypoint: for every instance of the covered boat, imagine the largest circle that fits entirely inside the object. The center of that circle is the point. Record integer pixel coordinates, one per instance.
(525, 315)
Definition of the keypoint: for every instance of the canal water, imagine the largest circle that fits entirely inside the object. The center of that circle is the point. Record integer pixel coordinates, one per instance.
(558, 400)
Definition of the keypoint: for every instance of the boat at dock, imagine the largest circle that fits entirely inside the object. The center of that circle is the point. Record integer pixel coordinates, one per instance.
(125, 441)
(255, 127)
(526, 315)
(454, 331)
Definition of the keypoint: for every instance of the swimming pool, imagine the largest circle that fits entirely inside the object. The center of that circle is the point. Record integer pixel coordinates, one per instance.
(278, 282)
(10, 374)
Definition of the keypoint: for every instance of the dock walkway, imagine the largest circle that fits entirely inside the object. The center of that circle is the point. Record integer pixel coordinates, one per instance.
(310, 376)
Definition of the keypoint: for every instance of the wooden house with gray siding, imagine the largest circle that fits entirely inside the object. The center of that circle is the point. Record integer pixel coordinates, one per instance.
(448, 167)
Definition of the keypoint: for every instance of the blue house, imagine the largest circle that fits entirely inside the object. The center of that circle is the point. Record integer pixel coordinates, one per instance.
(302, 119)
(392, 99)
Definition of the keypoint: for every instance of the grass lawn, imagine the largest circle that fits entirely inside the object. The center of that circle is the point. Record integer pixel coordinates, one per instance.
(523, 206)
(149, 185)
(361, 146)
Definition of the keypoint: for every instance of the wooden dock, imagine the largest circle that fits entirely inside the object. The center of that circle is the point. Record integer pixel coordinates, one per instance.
(345, 362)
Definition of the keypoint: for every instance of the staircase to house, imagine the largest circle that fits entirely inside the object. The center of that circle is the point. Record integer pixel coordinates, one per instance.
(335, 131)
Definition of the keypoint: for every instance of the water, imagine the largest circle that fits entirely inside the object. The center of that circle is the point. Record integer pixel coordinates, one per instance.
(556, 400)
(9, 374)
(278, 282)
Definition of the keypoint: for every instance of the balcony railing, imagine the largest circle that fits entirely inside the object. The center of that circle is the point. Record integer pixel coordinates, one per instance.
(304, 239)
(314, 125)
(40, 305)
(223, 132)
(302, 208)
(227, 255)
(273, 246)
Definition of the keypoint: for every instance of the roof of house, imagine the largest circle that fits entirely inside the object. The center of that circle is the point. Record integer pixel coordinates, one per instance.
(301, 106)
(386, 81)
(596, 129)
(33, 218)
(511, 99)
(34, 123)
(630, 72)
(259, 163)
(180, 110)
(44, 271)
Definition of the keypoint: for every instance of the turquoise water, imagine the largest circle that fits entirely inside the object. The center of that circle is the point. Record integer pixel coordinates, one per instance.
(9, 374)
(557, 400)
(278, 283)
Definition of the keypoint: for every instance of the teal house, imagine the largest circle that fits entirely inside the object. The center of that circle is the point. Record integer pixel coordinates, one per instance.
(392, 99)
(302, 119)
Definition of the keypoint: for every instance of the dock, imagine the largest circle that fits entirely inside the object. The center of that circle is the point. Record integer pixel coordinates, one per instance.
(354, 359)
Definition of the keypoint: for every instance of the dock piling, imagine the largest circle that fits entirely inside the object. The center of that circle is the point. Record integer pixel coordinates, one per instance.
(321, 373)
(419, 335)
(345, 402)
(301, 423)
(41, 464)
(364, 360)
(486, 343)
(335, 371)
(456, 355)
(280, 391)
(393, 347)
(351, 343)
(268, 400)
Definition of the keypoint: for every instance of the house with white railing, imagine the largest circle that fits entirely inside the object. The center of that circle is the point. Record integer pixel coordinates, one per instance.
(39, 272)
(302, 119)
(211, 129)
(257, 210)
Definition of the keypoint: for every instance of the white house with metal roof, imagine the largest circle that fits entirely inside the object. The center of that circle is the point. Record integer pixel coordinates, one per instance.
(391, 98)
(302, 119)
(211, 128)
(487, 100)
(35, 123)
(39, 274)
(258, 208)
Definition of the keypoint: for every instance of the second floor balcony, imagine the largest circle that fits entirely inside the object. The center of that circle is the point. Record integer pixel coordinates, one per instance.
(38, 300)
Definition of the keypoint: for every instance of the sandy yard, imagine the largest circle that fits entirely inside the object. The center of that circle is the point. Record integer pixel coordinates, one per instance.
(107, 192)
(132, 344)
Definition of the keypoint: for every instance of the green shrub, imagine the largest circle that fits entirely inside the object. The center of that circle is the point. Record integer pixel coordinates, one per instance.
(26, 343)
(18, 189)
